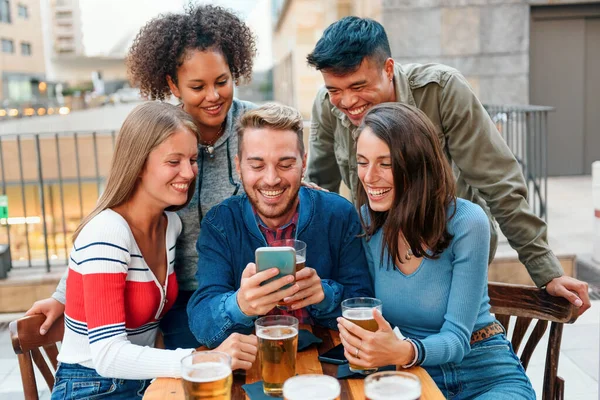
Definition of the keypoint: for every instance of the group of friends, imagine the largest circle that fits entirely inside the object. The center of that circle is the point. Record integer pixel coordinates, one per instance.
(195, 189)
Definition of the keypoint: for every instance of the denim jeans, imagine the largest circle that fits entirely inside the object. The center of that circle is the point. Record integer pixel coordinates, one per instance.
(175, 326)
(74, 381)
(490, 371)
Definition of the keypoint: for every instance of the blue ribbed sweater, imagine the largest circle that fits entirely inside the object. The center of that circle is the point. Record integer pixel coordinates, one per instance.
(444, 300)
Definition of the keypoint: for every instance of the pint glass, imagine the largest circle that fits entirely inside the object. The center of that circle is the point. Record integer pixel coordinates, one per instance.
(392, 385)
(359, 310)
(300, 248)
(298, 245)
(314, 387)
(277, 346)
(207, 376)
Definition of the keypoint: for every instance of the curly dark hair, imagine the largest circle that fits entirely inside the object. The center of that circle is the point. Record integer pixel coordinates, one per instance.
(162, 45)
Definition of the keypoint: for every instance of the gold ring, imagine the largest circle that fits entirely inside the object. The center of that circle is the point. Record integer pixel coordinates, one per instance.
(356, 354)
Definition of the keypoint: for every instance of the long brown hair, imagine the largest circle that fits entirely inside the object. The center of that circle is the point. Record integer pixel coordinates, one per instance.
(424, 188)
(145, 128)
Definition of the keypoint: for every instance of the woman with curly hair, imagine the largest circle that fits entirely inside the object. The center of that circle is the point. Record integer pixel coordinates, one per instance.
(198, 56)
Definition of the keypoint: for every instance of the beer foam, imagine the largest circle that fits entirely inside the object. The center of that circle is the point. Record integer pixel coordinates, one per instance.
(358, 313)
(275, 332)
(314, 387)
(300, 259)
(206, 372)
(393, 387)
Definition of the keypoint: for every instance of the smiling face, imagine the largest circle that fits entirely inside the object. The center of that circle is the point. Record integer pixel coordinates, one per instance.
(271, 167)
(170, 169)
(355, 93)
(375, 170)
(205, 88)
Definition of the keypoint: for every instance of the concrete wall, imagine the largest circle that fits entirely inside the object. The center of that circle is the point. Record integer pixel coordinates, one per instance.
(487, 40)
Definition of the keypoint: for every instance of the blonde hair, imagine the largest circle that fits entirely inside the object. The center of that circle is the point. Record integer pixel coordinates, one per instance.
(271, 115)
(145, 128)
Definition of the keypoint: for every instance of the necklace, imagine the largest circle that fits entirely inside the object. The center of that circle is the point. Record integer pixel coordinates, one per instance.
(209, 146)
(409, 252)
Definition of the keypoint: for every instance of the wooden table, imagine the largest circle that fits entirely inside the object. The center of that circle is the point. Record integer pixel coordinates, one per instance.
(306, 363)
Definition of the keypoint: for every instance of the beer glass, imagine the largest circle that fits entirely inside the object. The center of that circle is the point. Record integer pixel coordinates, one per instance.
(207, 376)
(314, 387)
(300, 248)
(277, 346)
(359, 310)
(298, 245)
(392, 385)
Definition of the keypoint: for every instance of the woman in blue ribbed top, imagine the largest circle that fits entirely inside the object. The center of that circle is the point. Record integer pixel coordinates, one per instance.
(428, 257)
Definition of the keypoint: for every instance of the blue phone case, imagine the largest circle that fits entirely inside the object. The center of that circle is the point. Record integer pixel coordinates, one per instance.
(283, 258)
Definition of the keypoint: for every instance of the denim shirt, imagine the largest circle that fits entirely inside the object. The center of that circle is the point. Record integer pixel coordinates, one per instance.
(329, 226)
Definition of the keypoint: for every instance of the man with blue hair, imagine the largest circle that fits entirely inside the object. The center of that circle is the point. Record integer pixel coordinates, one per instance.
(354, 57)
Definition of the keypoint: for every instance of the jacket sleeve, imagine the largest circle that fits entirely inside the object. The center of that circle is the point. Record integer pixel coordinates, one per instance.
(213, 310)
(322, 167)
(353, 278)
(470, 247)
(487, 164)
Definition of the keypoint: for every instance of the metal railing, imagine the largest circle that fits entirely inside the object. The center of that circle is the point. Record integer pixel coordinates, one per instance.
(523, 128)
(53, 180)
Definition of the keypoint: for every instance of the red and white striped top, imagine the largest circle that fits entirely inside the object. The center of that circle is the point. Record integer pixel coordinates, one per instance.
(114, 302)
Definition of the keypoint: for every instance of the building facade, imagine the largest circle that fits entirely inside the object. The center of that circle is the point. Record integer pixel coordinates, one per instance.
(22, 69)
(66, 32)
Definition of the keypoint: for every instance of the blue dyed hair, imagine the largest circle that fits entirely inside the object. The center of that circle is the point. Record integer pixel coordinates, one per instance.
(347, 42)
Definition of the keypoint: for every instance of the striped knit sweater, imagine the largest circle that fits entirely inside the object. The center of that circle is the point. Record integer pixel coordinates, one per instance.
(114, 302)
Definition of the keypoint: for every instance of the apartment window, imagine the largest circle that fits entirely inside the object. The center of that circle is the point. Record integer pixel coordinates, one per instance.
(25, 48)
(5, 11)
(8, 46)
(23, 11)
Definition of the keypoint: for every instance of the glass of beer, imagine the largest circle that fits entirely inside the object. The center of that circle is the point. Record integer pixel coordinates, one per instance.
(277, 346)
(392, 385)
(359, 310)
(300, 248)
(314, 387)
(207, 375)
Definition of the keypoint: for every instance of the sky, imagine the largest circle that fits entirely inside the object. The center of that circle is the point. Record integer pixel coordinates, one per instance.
(109, 25)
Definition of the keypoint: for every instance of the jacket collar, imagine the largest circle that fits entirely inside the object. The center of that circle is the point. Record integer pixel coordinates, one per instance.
(306, 206)
(402, 86)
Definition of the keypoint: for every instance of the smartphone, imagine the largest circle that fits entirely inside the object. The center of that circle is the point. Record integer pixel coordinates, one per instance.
(334, 355)
(283, 258)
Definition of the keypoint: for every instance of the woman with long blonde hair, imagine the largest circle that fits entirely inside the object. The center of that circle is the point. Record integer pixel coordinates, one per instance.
(121, 279)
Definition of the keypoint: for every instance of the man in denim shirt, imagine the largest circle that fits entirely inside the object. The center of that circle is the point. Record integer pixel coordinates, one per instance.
(271, 163)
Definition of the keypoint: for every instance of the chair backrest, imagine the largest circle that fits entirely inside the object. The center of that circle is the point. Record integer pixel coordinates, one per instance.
(530, 304)
(28, 343)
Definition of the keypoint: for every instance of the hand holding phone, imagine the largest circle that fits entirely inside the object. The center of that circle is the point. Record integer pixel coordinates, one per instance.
(253, 298)
(283, 258)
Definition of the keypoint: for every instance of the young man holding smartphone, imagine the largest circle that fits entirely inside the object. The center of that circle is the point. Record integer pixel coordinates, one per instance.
(271, 162)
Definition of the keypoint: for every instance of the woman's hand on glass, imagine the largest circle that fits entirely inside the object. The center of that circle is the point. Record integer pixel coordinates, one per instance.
(373, 349)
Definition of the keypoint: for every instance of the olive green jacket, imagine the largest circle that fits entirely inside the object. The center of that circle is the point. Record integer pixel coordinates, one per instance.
(486, 171)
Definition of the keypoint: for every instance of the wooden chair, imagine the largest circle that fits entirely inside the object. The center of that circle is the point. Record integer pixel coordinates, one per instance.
(528, 303)
(27, 343)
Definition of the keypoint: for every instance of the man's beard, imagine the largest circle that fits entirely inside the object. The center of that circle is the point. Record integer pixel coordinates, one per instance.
(266, 211)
